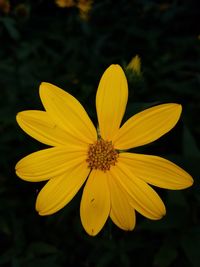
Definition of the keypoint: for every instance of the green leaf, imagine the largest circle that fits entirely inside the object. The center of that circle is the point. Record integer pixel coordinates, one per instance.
(167, 253)
(10, 26)
(190, 148)
(190, 243)
(41, 248)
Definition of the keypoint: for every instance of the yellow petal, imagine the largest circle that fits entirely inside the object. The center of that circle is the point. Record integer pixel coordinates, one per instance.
(111, 100)
(39, 126)
(143, 198)
(147, 126)
(157, 171)
(67, 112)
(95, 202)
(48, 163)
(121, 213)
(59, 191)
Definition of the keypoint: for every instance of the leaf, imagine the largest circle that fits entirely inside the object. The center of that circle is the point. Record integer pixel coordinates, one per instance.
(41, 248)
(10, 26)
(190, 148)
(166, 254)
(190, 243)
(46, 262)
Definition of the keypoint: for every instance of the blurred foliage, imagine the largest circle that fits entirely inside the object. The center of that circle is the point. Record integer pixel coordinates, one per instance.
(39, 41)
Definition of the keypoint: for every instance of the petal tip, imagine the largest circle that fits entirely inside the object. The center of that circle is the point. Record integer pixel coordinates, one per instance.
(38, 208)
(19, 116)
(23, 116)
(162, 212)
(130, 228)
(115, 68)
(186, 181)
(16, 171)
(173, 106)
(17, 167)
(41, 213)
(46, 87)
(43, 86)
(189, 182)
(92, 232)
(179, 108)
(161, 215)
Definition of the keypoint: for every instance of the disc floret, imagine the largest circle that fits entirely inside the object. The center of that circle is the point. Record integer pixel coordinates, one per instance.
(102, 155)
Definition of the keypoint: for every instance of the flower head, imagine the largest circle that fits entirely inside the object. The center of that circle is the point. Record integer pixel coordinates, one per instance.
(116, 182)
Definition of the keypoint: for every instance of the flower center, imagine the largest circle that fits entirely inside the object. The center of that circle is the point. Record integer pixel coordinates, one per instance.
(101, 155)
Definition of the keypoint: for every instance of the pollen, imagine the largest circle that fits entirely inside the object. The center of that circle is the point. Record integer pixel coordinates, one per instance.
(101, 155)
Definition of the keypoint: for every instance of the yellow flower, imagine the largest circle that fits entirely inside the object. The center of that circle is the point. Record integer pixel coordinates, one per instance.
(84, 7)
(135, 65)
(116, 182)
(65, 3)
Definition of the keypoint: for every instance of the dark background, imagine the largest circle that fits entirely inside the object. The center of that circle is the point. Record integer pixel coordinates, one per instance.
(41, 42)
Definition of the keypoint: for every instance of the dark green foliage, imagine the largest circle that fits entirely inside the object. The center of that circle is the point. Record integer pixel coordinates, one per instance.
(41, 42)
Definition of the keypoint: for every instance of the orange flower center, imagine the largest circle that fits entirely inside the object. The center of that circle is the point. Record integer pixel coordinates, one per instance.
(101, 155)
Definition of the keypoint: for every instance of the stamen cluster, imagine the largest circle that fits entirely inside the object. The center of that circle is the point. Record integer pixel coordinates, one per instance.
(101, 155)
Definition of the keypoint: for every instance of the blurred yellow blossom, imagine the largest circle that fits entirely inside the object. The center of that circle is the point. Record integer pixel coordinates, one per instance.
(164, 6)
(65, 3)
(22, 11)
(135, 65)
(84, 7)
(5, 6)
